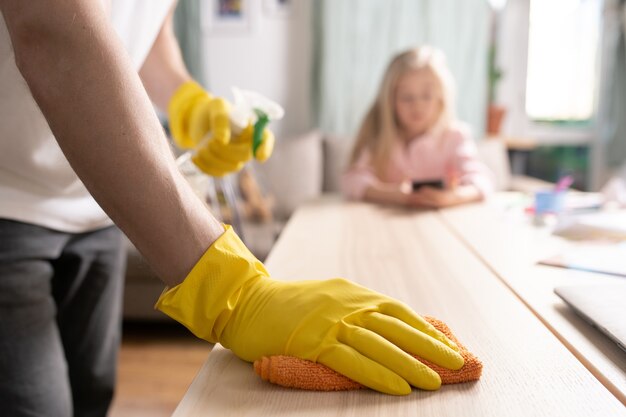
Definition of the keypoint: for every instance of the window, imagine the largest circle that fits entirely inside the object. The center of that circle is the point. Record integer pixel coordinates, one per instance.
(562, 65)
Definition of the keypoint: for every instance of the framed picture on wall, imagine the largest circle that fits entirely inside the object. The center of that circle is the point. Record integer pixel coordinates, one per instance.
(278, 8)
(229, 17)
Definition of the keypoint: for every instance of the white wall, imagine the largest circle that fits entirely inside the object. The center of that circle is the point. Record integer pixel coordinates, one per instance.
(512, 55)
(270, 53)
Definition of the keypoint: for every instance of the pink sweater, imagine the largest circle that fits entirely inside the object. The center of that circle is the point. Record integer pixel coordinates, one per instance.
(426, 157)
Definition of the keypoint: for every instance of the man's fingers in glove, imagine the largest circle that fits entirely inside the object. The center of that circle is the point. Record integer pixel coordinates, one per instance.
(180, 103)
(406, 314)
(359, 368)
(220, 122)
(411, 340)
(232, 152)
(264, 151)
(199, 119)
(218, 159)
(244, 137)
(380, 350)
(213, 165)
(180, 121)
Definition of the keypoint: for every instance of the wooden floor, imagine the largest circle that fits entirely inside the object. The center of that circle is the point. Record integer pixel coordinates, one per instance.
(157, 363)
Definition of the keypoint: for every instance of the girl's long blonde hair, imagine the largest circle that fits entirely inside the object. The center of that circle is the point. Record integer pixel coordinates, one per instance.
(380, 127)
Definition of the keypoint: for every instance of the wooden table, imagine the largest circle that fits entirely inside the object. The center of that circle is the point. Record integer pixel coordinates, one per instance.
(511, 249)
(419, 258)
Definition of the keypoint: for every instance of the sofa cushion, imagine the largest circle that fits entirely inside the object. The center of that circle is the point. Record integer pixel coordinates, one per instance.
(336, 155)
(293, 174)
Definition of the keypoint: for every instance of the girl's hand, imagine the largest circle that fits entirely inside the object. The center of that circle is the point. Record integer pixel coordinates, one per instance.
(434, 198)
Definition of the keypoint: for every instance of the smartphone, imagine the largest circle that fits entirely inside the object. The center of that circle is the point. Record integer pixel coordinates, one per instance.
(436, 183)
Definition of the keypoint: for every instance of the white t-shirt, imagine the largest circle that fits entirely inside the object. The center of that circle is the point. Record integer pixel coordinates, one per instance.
(37, 184)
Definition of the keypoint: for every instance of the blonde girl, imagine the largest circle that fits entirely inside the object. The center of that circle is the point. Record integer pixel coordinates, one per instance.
(411, 135)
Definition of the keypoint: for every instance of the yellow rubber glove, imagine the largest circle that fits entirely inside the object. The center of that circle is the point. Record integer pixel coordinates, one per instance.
(229, 298)
(217, 158)
(200, 121)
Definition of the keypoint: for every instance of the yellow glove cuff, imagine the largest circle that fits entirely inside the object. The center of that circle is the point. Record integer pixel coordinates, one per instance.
(205, 300)
(188, 103)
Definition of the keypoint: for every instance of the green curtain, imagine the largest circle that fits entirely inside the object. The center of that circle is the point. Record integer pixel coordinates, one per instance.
(355, 40)
(612, 117)
(189, 34)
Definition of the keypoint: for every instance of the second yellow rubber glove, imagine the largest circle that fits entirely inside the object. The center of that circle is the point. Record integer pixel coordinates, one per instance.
(201, 122)
(229, 298)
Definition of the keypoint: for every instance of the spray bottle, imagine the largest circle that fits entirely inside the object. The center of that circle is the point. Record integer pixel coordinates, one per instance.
(252, 107)
(249, 107)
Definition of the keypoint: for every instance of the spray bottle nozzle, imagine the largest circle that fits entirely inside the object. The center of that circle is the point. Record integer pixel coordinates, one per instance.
(252, 107)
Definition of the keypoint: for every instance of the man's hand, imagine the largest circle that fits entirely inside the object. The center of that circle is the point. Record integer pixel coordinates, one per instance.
(201, 122)
(229, 298)
(432, 197)
(217, 158)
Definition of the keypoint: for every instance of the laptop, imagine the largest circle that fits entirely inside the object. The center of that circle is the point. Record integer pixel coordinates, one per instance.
(602, 305)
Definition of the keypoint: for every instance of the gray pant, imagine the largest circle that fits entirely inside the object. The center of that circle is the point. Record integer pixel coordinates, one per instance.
(60, 320)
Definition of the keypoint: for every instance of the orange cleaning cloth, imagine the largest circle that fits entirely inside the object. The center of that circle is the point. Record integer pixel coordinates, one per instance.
(292, 372)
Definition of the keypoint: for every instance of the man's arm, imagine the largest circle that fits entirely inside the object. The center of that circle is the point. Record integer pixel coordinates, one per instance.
(164, 70)
(94, 102)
